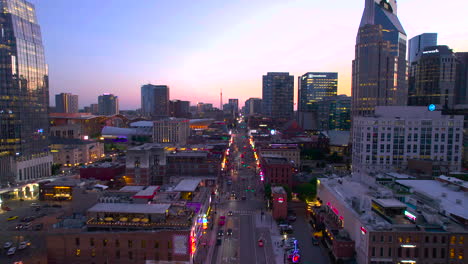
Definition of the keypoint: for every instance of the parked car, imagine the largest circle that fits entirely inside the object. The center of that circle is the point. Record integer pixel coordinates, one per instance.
(27, 219)
(23, 245)
(7, 244)
(11, 251)
(38, 227)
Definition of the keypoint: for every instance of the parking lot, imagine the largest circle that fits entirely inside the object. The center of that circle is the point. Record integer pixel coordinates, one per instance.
(21, 211)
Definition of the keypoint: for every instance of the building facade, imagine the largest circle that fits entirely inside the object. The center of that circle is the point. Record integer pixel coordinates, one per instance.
(278, 95)
(234, 103)
(461, 78)
(417, 44)
(108, 104)
(279, 202)
(73, 152)
(277, 170)
(334, 113)
(253, 106)
(432, 78)
(179, 109)
(314, 87)
(173, 130)
(24, 95)
(66, 103)
(396, 135)
(379, 67)
(155, 101)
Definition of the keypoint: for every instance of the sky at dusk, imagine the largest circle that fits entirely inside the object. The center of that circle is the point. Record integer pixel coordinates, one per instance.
(199, 47)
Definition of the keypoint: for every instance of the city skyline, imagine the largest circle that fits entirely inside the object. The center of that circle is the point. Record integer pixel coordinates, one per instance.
(196, 62)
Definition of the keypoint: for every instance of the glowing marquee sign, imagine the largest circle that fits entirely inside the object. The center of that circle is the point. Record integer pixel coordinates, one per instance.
(410, 215)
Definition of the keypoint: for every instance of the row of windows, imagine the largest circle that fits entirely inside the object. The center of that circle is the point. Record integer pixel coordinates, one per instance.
(130, 254)
(105, 242)
(414, 252)
(435, 239)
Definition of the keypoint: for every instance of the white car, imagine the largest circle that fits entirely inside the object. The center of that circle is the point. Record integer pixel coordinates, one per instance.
(34, 204)
(7, 244)
(11, 251)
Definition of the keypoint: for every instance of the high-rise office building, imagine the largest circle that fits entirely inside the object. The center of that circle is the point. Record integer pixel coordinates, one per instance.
(108, 104)
(461, 78)
(234, 105)
(253, 106)
(417, 44)
(312, 88)
(432, 78)
(180, 109)
(155, 100)
(278, 95)
(334, 113)
(94, 109)
(315, 86)
(379, 67)
(24, 95)
(66, 103)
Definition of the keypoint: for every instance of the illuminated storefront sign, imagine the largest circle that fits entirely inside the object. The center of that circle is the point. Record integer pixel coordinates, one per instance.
(363, 230)
(410, 215)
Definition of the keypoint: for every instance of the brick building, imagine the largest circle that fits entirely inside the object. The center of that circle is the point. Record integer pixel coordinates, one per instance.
(103, 171)
(280, 202)
(277, 170)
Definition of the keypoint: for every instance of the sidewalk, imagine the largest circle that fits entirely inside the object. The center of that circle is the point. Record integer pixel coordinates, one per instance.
(276, 238)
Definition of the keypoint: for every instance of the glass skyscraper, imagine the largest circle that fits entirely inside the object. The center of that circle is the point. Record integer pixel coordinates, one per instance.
(278, 95)
(315, 86)
(155, 101)
(417, 44)
(379, 67)
(432, 78)
(24, 95)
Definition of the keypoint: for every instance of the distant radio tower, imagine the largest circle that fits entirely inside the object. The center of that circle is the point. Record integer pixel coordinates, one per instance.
(221, 100)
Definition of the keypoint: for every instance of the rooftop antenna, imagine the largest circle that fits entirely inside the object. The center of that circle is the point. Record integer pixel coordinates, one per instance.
(221, 99)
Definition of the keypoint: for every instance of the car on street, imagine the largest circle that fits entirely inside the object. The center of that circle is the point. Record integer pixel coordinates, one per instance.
(34, 204)
(23, 245)
(220, 232)
(292, 218)
(27, 219)
(260, 243)
(315, 242)
(230, 213)
(11, 251)
(229, 232)
(7, 244)
(19, 226)
(38, 227)
(218, 241)
(11, 218)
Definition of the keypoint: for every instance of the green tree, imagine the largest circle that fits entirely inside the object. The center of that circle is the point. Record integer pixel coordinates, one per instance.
(288, 191)
(56, 168)
(307, 191)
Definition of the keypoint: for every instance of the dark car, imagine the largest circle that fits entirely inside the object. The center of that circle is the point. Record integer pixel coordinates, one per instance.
(315, 241)
(292, 218)
(38, 227)
(218, 241)
(220, 232)
(19, 227)
(230, 213)
(229, 232)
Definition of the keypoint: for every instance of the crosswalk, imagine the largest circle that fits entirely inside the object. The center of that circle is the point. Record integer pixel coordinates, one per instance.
(244, 212)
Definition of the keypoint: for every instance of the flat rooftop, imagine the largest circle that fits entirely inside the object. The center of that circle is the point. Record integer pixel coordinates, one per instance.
(129, 208)
(453, 201)
(390, 203)
(187, 185)
(275, 159)
(131, 188)
(149, 191)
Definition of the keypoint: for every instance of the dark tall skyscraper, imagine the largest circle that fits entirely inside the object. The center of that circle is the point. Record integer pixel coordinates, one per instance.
(278, 95)
(461, 78)
(234, 103)
(432, 78)
(379, 67)
(24, 95)
(108, 104)
(155, 100)
(66, 103)
(417, 44)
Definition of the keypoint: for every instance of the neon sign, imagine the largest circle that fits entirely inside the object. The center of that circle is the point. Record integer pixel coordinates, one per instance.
(410, 215)
(363, 230)
(280, 200)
